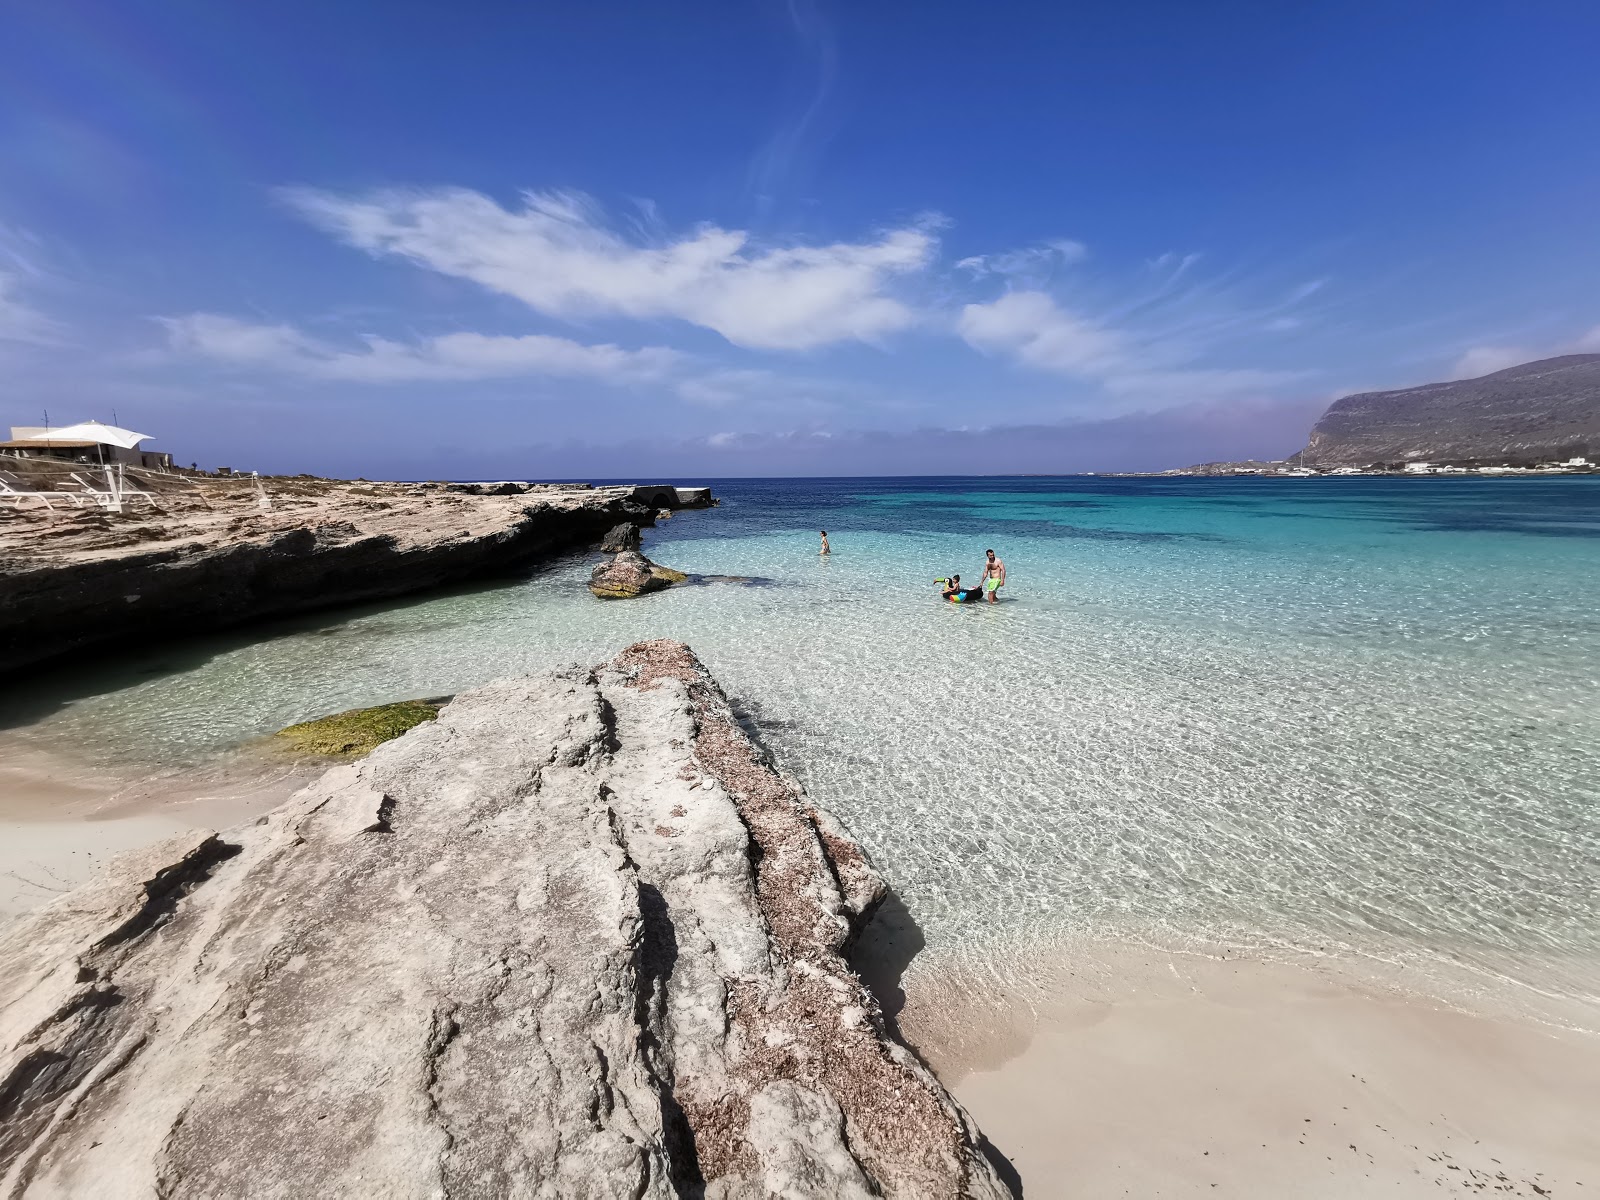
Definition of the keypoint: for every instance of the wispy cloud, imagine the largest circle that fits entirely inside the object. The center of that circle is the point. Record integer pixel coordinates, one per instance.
(1486, 360)
(797, 138)
(452, 356)
(764, 397)
(1158, 338)
(556, 254)
(1032, 266)
(21, 321)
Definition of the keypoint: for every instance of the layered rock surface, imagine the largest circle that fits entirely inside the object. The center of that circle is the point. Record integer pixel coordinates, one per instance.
(577, 937)
(211, 556)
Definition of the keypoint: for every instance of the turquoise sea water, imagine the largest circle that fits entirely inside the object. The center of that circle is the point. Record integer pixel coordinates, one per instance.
(1354, 715)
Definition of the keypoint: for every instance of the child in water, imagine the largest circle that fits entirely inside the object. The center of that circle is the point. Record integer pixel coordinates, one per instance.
(952, 590)
(825, 549)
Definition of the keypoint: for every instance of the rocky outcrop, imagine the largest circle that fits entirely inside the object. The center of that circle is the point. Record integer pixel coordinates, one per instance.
(1537, 411)
(576, 937)
(631, 574)
(626, 536)
(208, 559)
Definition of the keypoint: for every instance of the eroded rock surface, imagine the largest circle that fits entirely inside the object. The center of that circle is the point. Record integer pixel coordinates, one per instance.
(626, 536)
(631, 574)
(576, 937)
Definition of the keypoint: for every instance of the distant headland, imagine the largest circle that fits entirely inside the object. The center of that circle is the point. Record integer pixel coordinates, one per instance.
(1539, 418)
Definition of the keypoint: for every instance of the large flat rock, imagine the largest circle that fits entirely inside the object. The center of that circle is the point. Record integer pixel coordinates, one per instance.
(577, 937)
(212, 557)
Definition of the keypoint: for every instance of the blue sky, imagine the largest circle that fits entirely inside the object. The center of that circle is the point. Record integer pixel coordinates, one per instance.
(490, 239)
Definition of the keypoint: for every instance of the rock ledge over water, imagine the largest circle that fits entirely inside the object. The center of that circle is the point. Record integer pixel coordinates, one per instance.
(576, 937)
(208, 555)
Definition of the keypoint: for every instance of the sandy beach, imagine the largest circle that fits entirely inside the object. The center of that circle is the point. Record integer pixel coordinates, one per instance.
(1114, 1071)
(59, 820)
(1111, 1071)
(1180, 1075)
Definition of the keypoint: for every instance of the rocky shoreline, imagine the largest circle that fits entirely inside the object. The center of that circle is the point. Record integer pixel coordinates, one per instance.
(576, 937)
(210, 554)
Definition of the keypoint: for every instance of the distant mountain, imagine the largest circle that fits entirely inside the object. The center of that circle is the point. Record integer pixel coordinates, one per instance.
(1541, 410)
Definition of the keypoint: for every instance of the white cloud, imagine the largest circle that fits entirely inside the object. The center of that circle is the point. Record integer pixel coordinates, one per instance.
(556, 254)
(1155, 340)
(1038, 332)
(451, 356)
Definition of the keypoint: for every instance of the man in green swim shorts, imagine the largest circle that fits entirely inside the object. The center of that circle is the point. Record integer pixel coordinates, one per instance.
(994, 576)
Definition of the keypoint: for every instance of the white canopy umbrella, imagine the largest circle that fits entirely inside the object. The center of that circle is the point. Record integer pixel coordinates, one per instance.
(91, 431)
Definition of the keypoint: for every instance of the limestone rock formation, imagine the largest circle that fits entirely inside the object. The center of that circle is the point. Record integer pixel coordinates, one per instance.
(1539, 410)
(621, 537)
(575, 938)
(631, 574)
(206, 558)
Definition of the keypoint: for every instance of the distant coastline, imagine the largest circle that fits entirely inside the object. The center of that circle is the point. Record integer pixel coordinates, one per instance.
(1291, 469)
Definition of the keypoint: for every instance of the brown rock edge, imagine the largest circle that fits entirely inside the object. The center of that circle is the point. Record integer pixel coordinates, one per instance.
(576, 937)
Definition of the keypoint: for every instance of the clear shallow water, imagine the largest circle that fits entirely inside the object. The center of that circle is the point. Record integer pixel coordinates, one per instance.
(1348, 715)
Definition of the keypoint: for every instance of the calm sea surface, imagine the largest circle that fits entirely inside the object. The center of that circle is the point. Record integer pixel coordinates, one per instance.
(1352, 716)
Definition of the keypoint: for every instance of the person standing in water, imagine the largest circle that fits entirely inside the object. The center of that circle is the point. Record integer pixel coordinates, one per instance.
(825, 549)
(994, 576)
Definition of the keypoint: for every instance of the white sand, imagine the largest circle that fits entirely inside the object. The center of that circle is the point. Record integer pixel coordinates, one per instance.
(1248, 1079)
(1123, 1072)
(60, 820)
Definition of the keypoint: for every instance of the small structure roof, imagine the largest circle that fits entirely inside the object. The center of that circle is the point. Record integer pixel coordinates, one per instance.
(53, 443)
(91, 431)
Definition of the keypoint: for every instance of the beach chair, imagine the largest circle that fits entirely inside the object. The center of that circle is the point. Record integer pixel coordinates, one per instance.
(13, 497)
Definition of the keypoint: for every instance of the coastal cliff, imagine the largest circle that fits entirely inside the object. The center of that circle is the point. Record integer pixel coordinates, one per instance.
(1539, 410)
(575, 937)
(211, 555)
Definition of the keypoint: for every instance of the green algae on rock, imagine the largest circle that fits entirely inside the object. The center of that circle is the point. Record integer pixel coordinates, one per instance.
(352, 734)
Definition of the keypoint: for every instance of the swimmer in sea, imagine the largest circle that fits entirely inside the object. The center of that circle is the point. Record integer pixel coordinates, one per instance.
(994, 577)
(825, 548)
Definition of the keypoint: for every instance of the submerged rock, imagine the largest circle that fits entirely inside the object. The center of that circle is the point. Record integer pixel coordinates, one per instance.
(356, 732)
(631, 574)
(576, 937)
(622, 537)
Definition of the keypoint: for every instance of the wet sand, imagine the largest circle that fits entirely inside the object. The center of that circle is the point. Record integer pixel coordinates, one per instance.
(59, 820)
(1175, 1075)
